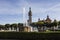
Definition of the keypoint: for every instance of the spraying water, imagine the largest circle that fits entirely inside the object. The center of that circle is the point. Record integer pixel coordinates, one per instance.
(24, 17)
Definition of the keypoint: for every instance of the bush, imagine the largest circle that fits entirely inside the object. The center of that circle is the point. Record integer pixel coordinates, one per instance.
(29, 35)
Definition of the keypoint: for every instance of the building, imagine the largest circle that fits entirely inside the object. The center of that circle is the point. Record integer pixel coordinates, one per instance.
(29, 16)
(47, 20)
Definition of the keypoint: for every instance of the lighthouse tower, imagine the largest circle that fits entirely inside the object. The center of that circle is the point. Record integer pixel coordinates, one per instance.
(29, 16)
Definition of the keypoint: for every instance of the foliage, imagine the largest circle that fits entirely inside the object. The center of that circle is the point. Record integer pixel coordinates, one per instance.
(7, 26)
(54, 23)
(59, 23)
(29, 35)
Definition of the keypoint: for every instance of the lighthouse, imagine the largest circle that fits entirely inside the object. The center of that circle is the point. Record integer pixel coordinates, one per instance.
(29, 16)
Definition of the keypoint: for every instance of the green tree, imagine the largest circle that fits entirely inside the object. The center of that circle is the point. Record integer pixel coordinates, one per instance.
(59, 23)
(34, 24)
(14, 25)
(7, 26)
(2, 27)
(40, 25)
(20, 25)
(55, 23)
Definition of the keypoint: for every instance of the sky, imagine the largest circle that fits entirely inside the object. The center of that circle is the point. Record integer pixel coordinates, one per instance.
(11, 11)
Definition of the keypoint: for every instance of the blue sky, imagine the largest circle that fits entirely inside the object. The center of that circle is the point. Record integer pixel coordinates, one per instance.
(11, 11)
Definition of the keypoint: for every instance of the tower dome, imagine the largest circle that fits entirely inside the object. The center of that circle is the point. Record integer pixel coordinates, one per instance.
(48, 19)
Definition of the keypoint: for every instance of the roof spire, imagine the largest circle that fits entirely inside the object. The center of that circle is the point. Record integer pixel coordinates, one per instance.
(47, 16)
(30, 12)
(29, 8)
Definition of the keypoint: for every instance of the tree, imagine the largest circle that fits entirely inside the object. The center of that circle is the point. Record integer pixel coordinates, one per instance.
(55, 23)
(14, 25)
(2, 27)
(33, 24)
(40, 25)
(59, 23)
(20, 25)
(7, 26)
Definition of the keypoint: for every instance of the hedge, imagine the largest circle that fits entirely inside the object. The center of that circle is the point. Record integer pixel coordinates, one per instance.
(29, 35)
